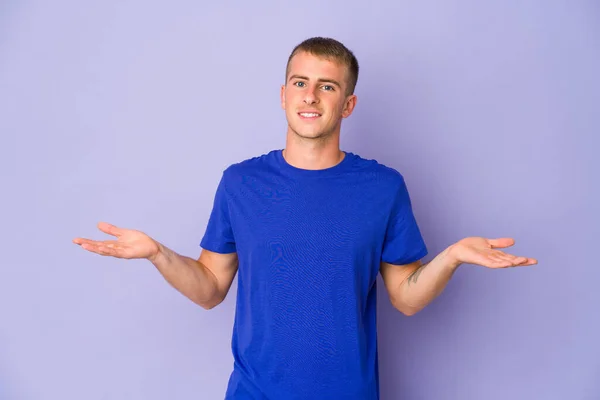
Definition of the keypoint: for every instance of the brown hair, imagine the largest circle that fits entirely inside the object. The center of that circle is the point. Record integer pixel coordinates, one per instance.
(329, 49)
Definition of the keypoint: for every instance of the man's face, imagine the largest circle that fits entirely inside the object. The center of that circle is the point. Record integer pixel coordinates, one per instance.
(314, 96)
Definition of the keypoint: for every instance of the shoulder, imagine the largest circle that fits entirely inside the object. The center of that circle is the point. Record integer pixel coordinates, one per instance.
(249, 166)
(380, 172)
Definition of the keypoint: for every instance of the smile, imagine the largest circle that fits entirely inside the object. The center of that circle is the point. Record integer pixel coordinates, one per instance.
(309, 115)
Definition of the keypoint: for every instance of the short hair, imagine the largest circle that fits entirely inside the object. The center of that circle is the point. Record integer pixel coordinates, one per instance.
(332, 50)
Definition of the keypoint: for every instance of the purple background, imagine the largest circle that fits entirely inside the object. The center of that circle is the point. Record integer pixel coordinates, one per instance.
(128, 111)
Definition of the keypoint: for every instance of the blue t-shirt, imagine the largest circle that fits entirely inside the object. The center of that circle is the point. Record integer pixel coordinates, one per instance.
(309, 245)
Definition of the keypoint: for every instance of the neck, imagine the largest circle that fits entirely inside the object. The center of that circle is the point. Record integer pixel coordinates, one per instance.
(312, 154)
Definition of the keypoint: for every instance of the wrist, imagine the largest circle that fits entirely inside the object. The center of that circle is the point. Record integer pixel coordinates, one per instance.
(451, 257)
(157, 253)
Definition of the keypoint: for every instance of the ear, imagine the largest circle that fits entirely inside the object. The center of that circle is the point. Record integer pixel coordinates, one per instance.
(349, 106)
(282, 95)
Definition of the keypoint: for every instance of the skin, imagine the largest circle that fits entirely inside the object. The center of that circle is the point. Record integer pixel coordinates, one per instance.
(312, 84)
(315, 84)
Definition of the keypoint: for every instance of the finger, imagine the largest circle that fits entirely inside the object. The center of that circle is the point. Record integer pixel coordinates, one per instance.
(523, 262)
(110, 229)
(512, 259)
(501, 242)
(517, 260)
(507, 260)
(91, 242)
(94, 248)
(528, 261)
(500, 262)
(498, 259)
(103, 250)
(490, 260)
(81, 241)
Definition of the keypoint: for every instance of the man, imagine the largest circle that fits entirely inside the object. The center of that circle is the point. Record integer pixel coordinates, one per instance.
(308, 229)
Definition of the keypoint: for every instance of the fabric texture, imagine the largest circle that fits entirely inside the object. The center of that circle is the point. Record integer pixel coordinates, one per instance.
(309, 243)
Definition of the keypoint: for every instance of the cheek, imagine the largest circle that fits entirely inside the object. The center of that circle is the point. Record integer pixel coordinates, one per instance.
(288, 100)
(339, 106)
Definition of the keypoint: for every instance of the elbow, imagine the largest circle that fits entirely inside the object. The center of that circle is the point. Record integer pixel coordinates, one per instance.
(208, 304)
(409, 312)
(405, 308)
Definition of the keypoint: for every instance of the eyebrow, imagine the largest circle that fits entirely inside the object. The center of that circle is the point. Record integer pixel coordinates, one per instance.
(322, 80)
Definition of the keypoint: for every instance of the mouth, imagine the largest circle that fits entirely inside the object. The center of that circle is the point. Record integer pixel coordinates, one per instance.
(309, 115)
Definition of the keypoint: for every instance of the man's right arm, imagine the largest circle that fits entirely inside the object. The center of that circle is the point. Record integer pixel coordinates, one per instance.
(205, 281)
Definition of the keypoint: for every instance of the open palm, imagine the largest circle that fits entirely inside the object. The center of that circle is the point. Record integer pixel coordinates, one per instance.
(129, 243)
(484, 252)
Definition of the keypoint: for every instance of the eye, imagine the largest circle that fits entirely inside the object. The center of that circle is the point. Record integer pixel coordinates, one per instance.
(299, 84)
(328, 87)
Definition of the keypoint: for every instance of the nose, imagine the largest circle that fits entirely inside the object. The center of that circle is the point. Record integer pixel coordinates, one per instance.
(310, 95)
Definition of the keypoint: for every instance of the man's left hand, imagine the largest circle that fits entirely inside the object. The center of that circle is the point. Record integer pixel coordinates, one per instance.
(484, 252)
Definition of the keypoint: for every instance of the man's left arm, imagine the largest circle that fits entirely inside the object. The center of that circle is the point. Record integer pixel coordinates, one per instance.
(413, 286)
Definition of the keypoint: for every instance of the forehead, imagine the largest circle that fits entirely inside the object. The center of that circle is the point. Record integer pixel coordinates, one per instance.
(316, 67)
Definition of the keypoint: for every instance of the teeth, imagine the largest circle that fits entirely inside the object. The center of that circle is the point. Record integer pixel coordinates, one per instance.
(309, 115)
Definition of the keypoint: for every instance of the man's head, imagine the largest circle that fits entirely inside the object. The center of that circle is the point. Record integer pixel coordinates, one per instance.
(321, 76)
(332, 50)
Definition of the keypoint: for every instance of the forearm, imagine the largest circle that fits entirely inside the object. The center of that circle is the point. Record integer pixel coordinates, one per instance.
(426, 283)
(188, 276)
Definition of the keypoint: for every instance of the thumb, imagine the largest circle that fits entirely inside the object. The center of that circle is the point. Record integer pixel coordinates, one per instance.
(110, 229)
(501, 242)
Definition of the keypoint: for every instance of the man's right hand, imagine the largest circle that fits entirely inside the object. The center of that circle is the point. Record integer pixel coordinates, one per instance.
(205, 281)
(129, 244)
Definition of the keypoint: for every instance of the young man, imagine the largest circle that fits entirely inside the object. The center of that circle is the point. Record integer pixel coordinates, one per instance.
(308, 229)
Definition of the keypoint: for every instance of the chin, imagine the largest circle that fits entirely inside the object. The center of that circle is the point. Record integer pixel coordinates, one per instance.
(310, 135)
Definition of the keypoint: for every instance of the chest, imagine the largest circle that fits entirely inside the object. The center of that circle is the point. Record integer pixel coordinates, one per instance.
(335, 221)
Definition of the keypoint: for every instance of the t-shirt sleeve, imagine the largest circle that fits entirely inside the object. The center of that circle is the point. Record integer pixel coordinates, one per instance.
(218, 236)
(403, 241)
